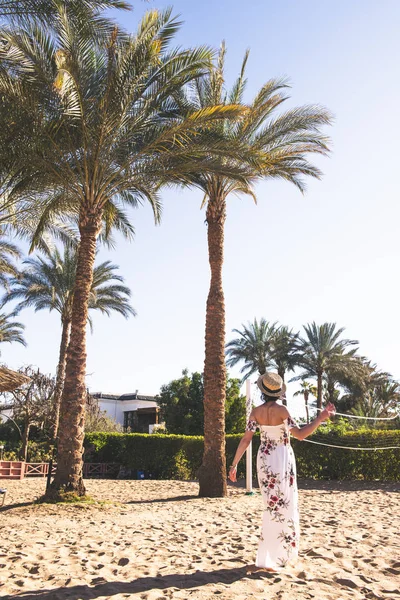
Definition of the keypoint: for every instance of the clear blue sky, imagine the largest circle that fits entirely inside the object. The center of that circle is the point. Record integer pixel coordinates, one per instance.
(331, 255)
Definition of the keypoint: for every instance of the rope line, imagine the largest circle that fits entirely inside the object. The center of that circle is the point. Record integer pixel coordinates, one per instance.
(366, 418)
(255, 395)
(352, 447)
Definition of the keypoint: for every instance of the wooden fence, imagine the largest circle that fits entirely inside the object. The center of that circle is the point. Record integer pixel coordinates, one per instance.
(100, 469)
(20, 469)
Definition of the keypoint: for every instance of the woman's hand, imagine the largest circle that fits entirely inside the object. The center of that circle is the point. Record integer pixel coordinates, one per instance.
(232, 473)
(328, 412)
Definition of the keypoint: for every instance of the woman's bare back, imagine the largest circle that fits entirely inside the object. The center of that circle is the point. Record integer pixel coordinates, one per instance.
(270, 413)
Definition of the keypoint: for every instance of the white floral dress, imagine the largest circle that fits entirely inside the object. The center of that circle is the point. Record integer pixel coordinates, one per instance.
(276, 470)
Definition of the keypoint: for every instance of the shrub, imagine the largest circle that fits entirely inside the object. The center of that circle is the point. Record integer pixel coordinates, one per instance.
(161, 456)
(37, 451)
(10, 449)
(323, 462)
(179, 457)
(9, 432)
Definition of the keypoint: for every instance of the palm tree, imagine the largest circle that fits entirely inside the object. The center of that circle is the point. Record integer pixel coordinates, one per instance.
(48, 283)
(110, 133)
(8, 253)
(380, 401)
(306, 388)
(47, 9)
(253, 347)
(11, 331)
(284, 352)
(341, 368)
(368, 391)
(322, 351)
(17, 146)
(18, 131)
(278, 147)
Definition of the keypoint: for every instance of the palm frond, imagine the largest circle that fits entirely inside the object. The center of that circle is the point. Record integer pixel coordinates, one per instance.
(11, 331)
(48, 282)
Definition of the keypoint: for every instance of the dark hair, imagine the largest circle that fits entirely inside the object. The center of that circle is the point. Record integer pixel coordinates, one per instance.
(266, 398)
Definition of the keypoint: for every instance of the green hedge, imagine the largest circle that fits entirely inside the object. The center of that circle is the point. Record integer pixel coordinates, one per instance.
(179, 456)
(160, 456)
(321, 462)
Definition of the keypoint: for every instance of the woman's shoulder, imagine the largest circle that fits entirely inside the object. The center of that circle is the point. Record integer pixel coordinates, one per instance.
(255, 412)
(273, 415)
(283, 412)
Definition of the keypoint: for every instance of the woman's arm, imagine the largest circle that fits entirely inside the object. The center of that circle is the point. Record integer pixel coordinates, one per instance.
(300, 433)
(241, 449)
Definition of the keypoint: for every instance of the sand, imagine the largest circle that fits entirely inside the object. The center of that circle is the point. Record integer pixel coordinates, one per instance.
(155, 540)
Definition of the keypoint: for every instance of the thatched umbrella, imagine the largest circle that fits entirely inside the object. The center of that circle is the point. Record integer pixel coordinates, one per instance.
(11, 380)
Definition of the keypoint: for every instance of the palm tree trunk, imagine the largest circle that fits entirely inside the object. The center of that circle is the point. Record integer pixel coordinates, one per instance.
(25, 441)
(68, 476)
(62, 360)
(331, 389)
(281, 373)
(306, 394)
(319, 390)
(212, 473)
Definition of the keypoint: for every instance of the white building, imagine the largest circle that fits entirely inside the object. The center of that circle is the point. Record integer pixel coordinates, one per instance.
(6, 411)
(134, 411)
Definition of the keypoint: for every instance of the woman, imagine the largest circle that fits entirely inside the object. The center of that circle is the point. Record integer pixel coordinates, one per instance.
(276, 470)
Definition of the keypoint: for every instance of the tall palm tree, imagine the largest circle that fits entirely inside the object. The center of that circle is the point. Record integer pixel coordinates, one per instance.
(11, 331)
(306, 388)
(278, 147)
(110, 133)
(48, 283)
(253, 347)
(321, 351)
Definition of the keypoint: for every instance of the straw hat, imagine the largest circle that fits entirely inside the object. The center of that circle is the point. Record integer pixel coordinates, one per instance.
(271, 385)
(10, 380)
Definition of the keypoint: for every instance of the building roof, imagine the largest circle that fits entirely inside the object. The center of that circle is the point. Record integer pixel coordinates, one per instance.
(124, 397)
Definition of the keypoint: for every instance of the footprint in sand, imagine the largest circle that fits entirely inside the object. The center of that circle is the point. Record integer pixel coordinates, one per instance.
(392, 570)
(34, 570)
(346, 583)
(98, 580)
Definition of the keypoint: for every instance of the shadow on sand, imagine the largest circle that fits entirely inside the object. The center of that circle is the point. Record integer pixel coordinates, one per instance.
(143, 584)
(173, 499)
(15, 505)
(348, 486)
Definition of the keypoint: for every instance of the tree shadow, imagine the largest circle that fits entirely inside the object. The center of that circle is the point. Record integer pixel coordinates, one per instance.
(15, 505)
(144, 584)
(334, 485)
(172, 499)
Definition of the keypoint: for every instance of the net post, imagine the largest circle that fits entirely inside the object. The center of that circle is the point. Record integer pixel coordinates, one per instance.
(249, 464)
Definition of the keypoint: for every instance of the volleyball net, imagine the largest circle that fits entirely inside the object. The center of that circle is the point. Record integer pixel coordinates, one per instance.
(343, 431)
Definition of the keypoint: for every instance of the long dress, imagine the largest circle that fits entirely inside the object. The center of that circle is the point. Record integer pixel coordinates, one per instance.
(276, 470)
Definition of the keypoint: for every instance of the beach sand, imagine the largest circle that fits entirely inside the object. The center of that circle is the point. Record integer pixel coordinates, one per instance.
(155, 540)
